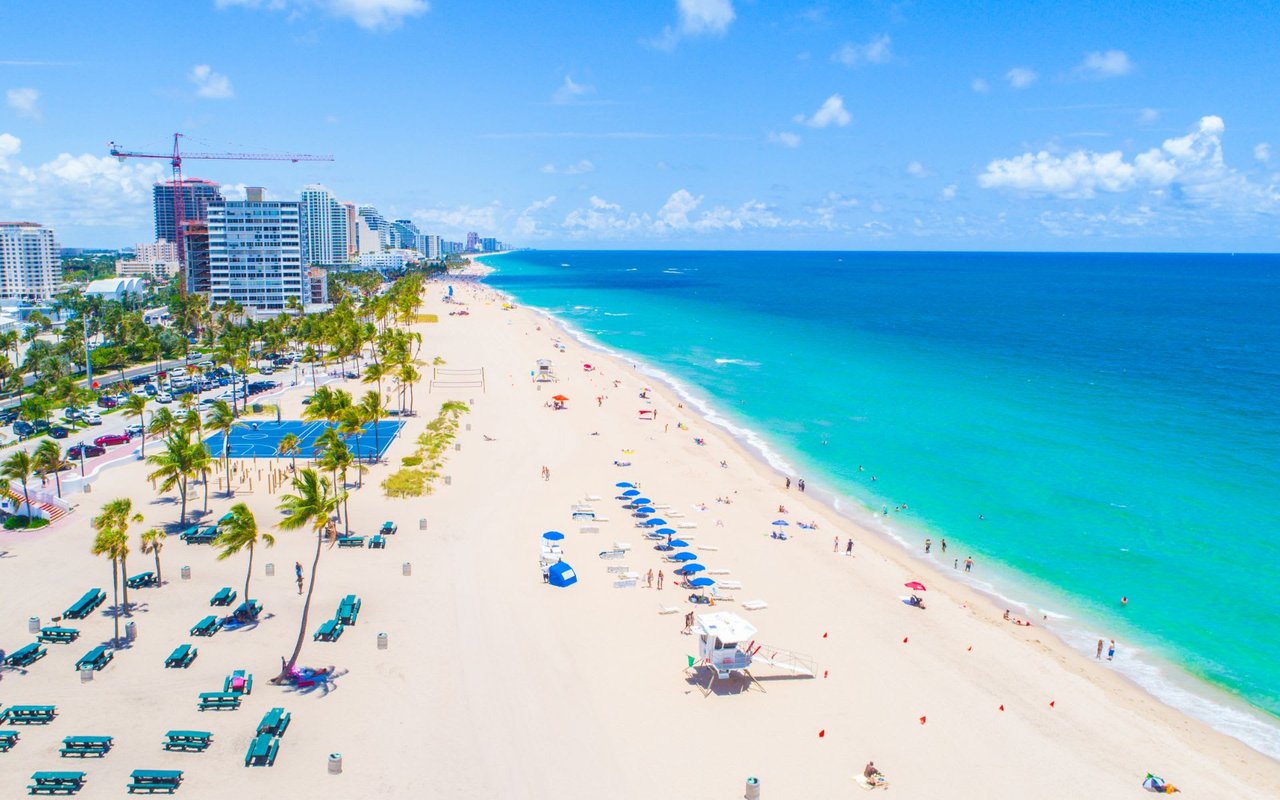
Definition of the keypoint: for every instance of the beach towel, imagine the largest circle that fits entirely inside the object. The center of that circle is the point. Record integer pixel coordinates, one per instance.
(862, 781)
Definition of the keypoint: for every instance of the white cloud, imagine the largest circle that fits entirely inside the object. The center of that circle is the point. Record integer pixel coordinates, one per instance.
(1187, 170)
(69, 191)
(980, 85)
(1021, 77)
(210, 84)
(25, 102)
(832, 112)
(696, 18)
(785, 138)
(570, 91)
(460, 219)
(949, 192)
(1100, 66)
(1261, 151)
(368, 14)
(527, 225)
(1148, 116)
(877, 51)
(580, 168)
(916, 170)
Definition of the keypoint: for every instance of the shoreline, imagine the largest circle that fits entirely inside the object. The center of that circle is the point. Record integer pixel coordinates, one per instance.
(1175, 688)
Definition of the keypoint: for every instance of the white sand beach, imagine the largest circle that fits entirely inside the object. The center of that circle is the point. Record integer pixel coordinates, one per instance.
(494, 684)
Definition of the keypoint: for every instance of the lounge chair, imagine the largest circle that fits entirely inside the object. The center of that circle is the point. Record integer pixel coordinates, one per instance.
(728, 584)
(720, 597)
(667, 609)
(754, 605)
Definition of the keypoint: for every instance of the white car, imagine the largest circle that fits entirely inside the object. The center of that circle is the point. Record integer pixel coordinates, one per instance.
(92, 417)
(267, 370)
(141, 392)
(177, 372)
(164, 397)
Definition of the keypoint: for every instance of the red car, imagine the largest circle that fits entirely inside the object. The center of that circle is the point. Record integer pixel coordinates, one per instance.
(113, 438)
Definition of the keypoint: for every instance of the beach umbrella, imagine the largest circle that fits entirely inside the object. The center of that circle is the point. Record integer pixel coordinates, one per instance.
(625, 485)
(678, 543)
(640, 501)
(560, 398)
(685, 555)
(689, 569)
(666, 531)
(553, 536)
(654, 522)
(646, 510)
(915, 585)
(781, 522)
(702, 582)
(630, 492)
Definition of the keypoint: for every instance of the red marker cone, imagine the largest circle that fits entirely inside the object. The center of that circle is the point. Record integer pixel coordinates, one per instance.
(904, 639)
(822, 733)
(1002, 706)
(824, 674)
(922, 719)
(824, 634)
(970, 650)
(1052, 703)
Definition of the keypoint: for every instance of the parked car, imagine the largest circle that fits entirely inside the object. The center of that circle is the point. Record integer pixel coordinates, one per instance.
(134, 430)
(164, 397)
(177, 372)
(112, 438)
(151, 390)
(107, 402)
(22, 429)
(141, 391)
(267, 370)
(138, 380)
(71, 413)
(9, 415)
(41, 426)
(59, 432)
(91, 417)
(86, 450)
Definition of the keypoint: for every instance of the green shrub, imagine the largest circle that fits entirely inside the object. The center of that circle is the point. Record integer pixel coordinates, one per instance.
(411, 461)
(24, 523)
(405, 483)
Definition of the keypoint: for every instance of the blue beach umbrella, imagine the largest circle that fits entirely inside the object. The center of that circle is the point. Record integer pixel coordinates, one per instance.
(625, 485)
(640, 501)
(781, 522)
(646, 510)
(685, 555)
(678, 543)
(553, 536)
(702, 582)
(654, 522)
(689, 569)
(666, 531)
(630, 492)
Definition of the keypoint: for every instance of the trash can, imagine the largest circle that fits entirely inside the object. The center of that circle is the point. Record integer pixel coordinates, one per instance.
(753, 789)
(33, 625)
(186, 573)
(382, 641)
(406, 568)
(86, 674)
(422, 523)
(130, 631)
(335, 763)
(271, 570)
(457, 447)
(468, 426)
(448, 480)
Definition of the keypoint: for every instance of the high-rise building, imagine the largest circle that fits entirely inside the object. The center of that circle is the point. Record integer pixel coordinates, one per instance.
(153, 260)
(431, 246)
(353, 245)
(403, 234)
(196, 196)
(196, 244)
(488, 244)
(324, 227)
(317, 292)
(377, 223)
(255, 252)
(29, 262)
(473, 241)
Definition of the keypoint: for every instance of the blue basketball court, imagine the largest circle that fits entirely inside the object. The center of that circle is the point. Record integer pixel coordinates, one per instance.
(262, 439)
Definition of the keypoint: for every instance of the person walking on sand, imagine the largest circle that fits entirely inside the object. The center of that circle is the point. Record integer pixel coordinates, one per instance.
(659, 580)
(801, 484)
(968, 564)
(943, 542)
(835, 545)
(1099, 653)
(1111, 650)
(648, 584)
(788, 483)
(928, 545)
(848, 547)
(688, 623)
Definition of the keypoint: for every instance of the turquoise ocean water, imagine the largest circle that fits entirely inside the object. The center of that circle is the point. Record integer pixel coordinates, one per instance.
(1113, 419)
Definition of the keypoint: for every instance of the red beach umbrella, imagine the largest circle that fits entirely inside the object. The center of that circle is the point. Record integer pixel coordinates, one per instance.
(915, 585)
(560, 398)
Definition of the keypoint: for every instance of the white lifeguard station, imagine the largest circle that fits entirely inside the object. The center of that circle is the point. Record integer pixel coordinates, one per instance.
(544, 373)
(727, 644)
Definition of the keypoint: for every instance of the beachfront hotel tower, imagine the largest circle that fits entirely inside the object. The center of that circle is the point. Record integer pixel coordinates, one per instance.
(29, 263)
(255, 252)
(324, 227)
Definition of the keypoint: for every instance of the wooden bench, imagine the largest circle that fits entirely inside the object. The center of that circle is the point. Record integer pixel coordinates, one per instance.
(207, 626)
(274, 722)
(225, 597)
(219, 701)
(86, 604)
(262, 751)
(188, 741)
(96, 659)
(181, 657)
(142, 579)
(151, 781)
(29, 715)
(205, 536)
(85, 746)
(56, 783)
(58, 635)
(328, 632)
(26, 656)
(350, 541)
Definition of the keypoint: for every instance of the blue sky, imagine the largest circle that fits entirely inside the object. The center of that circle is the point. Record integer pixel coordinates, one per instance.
(670, 124)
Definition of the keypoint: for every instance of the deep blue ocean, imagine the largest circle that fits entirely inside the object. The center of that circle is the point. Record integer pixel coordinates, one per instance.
(1087, 427)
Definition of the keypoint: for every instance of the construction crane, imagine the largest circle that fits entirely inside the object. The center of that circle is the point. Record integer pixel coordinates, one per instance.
(175, 160)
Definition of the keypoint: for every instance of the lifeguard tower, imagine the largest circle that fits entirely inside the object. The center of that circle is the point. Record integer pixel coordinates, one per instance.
(727, 644)
(544, 373)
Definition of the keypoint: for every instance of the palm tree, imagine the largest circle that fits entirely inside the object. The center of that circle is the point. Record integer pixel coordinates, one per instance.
(18, 467)
(162, 423)
(133, 406)
(153, 543)
(112, 540)
(312, 506)
(201, 461)
(239, 533)
(375, 372)
(222, 418)
(370, 408)
(175, 466)
(290, 445)
(47, 458)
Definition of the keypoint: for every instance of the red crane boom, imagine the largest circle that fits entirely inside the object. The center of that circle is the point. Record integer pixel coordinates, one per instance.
(175, 161)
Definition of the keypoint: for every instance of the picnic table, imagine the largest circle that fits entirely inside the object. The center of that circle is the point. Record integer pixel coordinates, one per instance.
(29, 715)
(56, 783)
(219, 701)
(58, 635)
(378, 542)
(9, 738)
(262, 751)
(328, 632)
(248, 610)
(154, 780)
(348, 610)
(26, 656)
(202, 536)
(197, 741)
(225, 597)
(143, 579)
(96, 659)
(86, 604)
(388, 528)
(207, 626)
(181, 657)
(350, 541)
(84, 746)
(274, 722)
(238, 682)
(224, 519)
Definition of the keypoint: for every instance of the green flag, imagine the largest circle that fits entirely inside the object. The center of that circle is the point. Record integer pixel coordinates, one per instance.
(691, 660)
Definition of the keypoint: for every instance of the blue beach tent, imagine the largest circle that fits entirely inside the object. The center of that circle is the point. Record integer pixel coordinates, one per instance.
(561, 574)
